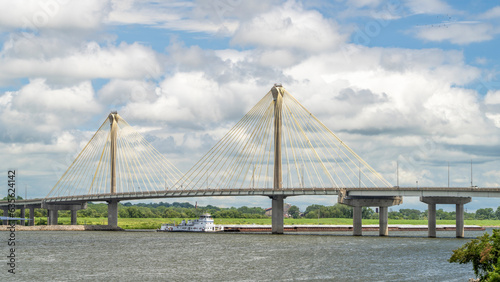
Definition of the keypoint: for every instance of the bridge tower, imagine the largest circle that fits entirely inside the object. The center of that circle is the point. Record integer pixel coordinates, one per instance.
(278, 147)
(116, 161)
(113, 204)
(277, 200)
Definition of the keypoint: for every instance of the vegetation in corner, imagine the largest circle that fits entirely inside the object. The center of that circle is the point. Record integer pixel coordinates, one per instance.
(484, 254)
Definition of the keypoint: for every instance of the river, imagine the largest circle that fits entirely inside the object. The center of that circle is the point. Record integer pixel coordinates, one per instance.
(154, 256)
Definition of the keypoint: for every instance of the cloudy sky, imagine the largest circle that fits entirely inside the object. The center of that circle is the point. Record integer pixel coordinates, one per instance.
(401, 81)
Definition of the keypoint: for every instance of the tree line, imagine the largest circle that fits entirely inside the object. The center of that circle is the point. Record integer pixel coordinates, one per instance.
(413, 214)
(188, 210)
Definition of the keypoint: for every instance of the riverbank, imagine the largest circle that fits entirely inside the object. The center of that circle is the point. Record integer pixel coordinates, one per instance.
(251, 228)
(335, 228)
(155, 223)
(62, 228)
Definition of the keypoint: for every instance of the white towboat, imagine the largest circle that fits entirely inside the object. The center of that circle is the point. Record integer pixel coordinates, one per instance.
(204, 224)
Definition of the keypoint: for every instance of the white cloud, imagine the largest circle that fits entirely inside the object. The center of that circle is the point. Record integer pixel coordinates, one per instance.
(281, 26)
(145, 12)
(38, 112)
(388, 104)
(492, 97)
(495, 118)
(86, 62)
(191, 100)
(429, 7)
(458, 33)
(363, 3)
(491, 14)
(379, 101)
(174, 15)
(52, 14)
(120, 92)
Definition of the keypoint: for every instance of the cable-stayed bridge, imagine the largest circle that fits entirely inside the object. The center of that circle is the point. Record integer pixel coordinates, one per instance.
(278, 149)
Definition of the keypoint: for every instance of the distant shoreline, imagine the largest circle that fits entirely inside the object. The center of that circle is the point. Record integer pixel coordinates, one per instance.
(256, 228)
(156, 222)
(62, 228)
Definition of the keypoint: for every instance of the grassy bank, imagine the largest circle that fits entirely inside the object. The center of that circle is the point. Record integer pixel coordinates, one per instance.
(153, 223)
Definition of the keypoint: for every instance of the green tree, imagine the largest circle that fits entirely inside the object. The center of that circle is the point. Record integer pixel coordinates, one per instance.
(312, 208)
(134, 212)
(294, 211)
(247, 210)
(7, 198)
(171, 213)
(341, 211)
(367, 213)
(486, 213)
(483, 253)
(497, 213)
(395, 215)
(410, 213)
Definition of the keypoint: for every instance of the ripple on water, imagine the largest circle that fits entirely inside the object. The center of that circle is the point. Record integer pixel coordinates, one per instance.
(126, 256)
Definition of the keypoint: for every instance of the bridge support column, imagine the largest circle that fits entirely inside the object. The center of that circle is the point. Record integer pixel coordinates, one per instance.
(431, 220)
(358, 202)
(23, 215)
(53, 217)
(357, 220)
(113, 213)
(277, 214)
(73, 217)
(54, 208)
(32, 216)
(6, 214)
(460, 220)
(458, 201)
(383, 220)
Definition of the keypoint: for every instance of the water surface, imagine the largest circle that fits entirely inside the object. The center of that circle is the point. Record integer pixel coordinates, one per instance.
(152, 256)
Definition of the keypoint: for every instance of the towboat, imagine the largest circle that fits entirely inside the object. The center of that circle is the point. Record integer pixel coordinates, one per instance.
(204, 224)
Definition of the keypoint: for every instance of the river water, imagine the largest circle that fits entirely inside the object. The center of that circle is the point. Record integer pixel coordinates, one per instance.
(159, 256)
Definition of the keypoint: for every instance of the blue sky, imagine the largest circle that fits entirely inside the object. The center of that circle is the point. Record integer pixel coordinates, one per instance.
(414, 82)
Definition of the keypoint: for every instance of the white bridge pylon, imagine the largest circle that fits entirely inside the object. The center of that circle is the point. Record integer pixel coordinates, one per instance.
(312, 156)
(116, 160)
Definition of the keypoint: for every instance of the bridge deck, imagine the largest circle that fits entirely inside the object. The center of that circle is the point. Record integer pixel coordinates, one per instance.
(352, 191)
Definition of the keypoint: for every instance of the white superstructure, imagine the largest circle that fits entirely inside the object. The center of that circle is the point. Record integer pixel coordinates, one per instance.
(204, 224)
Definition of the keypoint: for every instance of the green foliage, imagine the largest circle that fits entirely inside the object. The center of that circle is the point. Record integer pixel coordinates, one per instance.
(486, 213)
(367, 213)
(254, 210)
(497, 213)
(9, 197)
(483, 253)
(163, 210)
(335, 211)
(413, 214)
(294, 212)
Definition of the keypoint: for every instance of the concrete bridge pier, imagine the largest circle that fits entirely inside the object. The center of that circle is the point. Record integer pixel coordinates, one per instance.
(358, 202)
(113, 213)
(53, 217)
(73, 217)
(459, 202)
(53, 211)
(5, 213)
(277, 214)
(32, 216)
(357, 220)
(23, 215)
